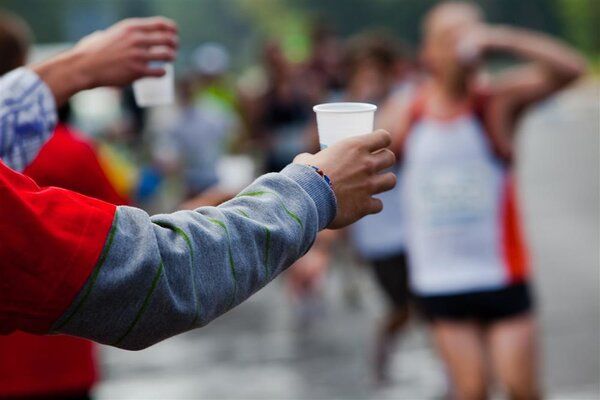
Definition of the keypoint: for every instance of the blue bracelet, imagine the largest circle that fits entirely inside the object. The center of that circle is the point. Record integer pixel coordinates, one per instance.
(320, 172)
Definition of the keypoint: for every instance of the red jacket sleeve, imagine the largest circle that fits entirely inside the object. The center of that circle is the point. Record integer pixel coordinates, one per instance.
(50, 241)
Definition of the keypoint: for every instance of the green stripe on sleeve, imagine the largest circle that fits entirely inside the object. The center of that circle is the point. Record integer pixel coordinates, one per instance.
(267, 248)
(230, 257)
(142, 309)
(186, 238)
(94, 276)
(260, 193)
(267, 251)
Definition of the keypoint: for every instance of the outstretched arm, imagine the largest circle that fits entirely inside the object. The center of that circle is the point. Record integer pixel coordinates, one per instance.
(158, 276)
(551, 64)
(166, 274)
(116, 56)
(113, 57)
(170, 273)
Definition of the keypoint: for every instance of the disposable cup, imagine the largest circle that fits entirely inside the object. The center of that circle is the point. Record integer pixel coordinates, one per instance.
(337, 121)
(150, 92)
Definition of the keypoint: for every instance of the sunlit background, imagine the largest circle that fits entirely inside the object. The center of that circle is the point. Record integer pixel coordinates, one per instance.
(262, 349)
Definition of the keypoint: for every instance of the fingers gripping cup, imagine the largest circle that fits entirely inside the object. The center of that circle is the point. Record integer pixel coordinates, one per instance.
(337, 121)
(151, 92)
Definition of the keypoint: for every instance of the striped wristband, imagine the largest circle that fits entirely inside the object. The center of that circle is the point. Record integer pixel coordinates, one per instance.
(320, 172)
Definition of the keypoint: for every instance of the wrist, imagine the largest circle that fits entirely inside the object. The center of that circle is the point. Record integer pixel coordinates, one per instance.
(83, 76)
(317, 188)
(322, 174)
(65, 75)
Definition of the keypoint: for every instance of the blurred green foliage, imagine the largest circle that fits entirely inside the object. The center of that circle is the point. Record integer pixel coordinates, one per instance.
(242, 25)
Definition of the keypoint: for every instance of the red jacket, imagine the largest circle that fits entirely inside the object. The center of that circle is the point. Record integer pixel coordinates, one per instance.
(38, 365)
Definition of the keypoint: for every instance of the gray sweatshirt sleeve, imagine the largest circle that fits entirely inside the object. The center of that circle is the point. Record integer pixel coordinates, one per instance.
(27, 117)
(169, 273)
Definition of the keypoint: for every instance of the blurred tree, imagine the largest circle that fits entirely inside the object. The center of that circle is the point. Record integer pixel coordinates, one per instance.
(281, 19)
(242, 25)
(580, 24)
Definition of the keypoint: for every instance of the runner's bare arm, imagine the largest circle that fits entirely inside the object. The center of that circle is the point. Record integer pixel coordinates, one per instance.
(551, 65)
(394, 117)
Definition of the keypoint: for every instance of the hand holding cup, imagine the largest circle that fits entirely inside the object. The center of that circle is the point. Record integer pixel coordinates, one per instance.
(112, 57)
(354, 166)
(126, 51)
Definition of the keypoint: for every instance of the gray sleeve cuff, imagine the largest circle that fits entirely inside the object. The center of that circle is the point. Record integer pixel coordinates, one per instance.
(316, 187)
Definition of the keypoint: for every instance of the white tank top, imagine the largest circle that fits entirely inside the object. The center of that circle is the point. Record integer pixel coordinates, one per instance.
(460, 223)
(381, 235)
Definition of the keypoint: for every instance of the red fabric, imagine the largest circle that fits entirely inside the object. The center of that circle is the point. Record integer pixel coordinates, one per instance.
(514, 249)
(69, 161)
(33, 365)
(50, 239)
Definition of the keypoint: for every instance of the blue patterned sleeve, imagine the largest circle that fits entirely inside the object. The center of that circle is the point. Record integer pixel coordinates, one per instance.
(27, 117)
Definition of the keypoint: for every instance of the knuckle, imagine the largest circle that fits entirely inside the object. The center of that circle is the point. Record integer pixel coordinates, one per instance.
(129, 27)
(161, 38)
(355, 148)
(384, 134)
(137, 55)
(371, 186)
(390, 156)
(136, 38)
(354, 142)
(138, 69)
(390, 181)
(369, 166)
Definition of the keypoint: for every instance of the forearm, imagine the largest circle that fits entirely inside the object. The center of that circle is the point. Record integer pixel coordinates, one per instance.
(556, 57)
(169, 273)
(64, 75)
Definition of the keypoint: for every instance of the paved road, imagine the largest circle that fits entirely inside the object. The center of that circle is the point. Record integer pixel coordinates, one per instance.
(255, 352)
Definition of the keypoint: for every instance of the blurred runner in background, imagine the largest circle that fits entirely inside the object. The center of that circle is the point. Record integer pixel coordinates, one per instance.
(468, 262)
(205, 122)
(371, 60)
(325, 61)
(51, 367)
(283, 111)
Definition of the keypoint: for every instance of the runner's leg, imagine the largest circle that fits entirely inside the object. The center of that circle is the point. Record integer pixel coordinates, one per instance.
(513, 350)
(461, 347)
(391, 275)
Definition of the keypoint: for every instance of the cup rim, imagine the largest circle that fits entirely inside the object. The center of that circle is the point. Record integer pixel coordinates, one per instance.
(353, 109)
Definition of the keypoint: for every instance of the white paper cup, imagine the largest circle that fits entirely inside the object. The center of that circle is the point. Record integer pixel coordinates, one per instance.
(337, 121)
(151, 92)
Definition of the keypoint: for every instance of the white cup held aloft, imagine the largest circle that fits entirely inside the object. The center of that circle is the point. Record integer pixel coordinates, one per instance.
(337, 121)
(150, 92)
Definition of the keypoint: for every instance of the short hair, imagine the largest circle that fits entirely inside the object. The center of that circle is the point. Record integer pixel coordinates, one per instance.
(15, 39)
(377, 46)
(464, 7)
